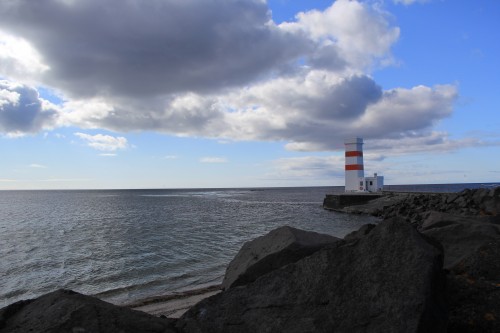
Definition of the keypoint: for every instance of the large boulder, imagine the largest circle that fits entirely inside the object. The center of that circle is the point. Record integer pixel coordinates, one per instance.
(460, 236)
(279, 247)
(486, 201)
(68, 311)
(473, 290)
(361, 232)
(391, 280)
(434, 219)
(474, 305)
(471, 254)
(484, 263)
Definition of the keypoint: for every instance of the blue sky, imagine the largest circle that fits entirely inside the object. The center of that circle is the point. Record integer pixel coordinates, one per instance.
(180, 94)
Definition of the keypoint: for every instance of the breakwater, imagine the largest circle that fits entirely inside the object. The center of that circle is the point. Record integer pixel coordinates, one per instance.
(339, 201)
(414, 207)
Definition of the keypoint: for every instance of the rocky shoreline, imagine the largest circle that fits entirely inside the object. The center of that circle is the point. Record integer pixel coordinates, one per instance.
(431, 265)
(174, 305)
(414, 207)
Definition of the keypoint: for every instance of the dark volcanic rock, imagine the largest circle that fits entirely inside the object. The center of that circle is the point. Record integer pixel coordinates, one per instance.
(472, 252)
(484, 263)
(68, 311)
(473, 291)
(387, 281)
(474, 305)
(361, 232)
(460, 236)
(415, 207)
(279, 247)
(441, 219)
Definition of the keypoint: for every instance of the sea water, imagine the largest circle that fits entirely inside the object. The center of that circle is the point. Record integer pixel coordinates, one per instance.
(125, 245)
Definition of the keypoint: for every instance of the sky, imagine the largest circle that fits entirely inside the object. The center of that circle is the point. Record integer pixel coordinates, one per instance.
(246, 93)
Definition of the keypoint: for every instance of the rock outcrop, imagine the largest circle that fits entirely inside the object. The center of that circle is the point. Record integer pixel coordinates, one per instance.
(473, 291)
(361, 232)
(415, 208)
(67, 311)
(278, 248)
(467, 225)
(387, 281)
(460, 236)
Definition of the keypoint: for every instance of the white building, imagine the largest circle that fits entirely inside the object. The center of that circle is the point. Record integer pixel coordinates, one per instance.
(374, 184)
(355, 180)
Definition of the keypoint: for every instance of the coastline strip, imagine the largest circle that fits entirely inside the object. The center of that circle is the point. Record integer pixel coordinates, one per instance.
(176, 304)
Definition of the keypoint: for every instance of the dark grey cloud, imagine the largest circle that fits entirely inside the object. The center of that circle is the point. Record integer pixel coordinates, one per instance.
(400, 115)
(347, 100)
(307, 116)
(186, 115)
(144, 48)
(22, 110)
(218, 69)
(325, 110)
(327, 57)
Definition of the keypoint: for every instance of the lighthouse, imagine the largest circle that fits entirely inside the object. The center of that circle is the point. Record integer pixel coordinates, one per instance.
(354, 168)
(355, 180)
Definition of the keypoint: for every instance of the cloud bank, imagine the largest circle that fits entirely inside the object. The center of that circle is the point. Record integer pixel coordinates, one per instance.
(217, 69)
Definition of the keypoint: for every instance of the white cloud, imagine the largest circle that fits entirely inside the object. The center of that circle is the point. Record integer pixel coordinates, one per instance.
(63, 180)
(170, 157)
(108, 155)
(310, 167)
(356, 31)
(379, 156)
(104, 142)
(9, 97)
(431, 142)
(85, 113)
(212, 159)
(319, 168)
(19, 59)
(37, 166)
(316, 112)
(398, 114)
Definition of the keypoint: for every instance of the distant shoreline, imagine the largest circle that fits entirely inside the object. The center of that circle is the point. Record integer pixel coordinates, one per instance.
(259, 188)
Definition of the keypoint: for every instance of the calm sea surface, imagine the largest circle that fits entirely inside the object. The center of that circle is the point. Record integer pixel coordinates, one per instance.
(124, 245)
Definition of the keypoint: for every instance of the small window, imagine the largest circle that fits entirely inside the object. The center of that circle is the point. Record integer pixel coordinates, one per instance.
(360, 183)
(371, 183)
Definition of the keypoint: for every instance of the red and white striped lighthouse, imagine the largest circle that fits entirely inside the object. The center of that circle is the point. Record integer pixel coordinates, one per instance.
(354, 169)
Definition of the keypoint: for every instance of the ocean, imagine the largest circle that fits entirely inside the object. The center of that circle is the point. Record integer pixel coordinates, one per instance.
(126, 245)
